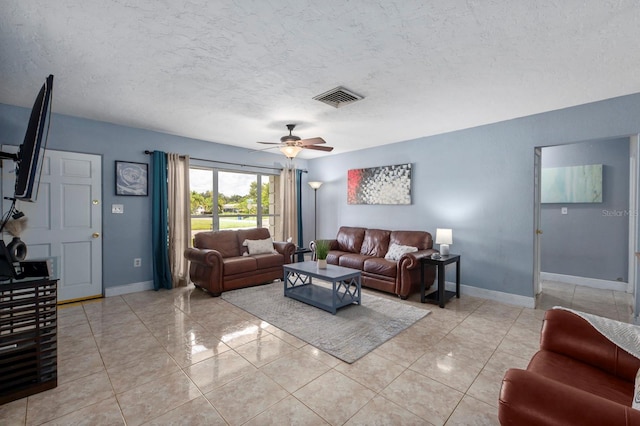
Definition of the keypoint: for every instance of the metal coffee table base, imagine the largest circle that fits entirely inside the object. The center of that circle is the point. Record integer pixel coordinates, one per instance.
(345, 285)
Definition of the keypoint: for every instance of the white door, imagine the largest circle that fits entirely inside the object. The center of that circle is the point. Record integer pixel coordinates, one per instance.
(66, 221)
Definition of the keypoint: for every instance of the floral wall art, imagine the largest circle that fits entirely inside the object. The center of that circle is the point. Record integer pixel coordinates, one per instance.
(380, 185)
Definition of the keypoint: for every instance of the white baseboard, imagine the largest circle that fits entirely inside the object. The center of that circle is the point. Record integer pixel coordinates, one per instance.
(497, 296)
(587, 282)
(128, 288)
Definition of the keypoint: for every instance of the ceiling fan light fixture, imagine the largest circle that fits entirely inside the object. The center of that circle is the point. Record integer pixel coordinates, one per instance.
(290, 151)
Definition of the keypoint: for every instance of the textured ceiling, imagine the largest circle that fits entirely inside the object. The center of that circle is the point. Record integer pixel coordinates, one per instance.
(235, 72)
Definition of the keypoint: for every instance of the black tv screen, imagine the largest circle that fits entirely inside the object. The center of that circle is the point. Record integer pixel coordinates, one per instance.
(31, 153)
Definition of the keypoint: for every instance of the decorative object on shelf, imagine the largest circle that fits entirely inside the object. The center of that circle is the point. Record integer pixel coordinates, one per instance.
(16, 226)
(315, 186)
(322, 250)
(444, 237)
(131, 178)
(380, 185)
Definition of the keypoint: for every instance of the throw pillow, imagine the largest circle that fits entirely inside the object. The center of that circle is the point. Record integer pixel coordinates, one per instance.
(636, 393)
(396, 251)
(259, 246)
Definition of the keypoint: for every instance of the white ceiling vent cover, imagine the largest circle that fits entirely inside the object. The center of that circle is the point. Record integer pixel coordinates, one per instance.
(338, 97)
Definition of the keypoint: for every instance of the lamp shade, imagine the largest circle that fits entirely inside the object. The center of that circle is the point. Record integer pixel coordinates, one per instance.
(444, 236)
(290, 151)
(315, 185)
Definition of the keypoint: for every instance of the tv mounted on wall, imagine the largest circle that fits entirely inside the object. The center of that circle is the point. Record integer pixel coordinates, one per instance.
(31, 154)
(28, 170)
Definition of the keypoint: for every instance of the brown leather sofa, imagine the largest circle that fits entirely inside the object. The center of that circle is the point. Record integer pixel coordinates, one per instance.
(365, 249)
(578, 377)
(217, 263)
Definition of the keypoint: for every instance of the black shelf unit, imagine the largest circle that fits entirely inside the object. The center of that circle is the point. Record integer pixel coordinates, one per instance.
(28, 342)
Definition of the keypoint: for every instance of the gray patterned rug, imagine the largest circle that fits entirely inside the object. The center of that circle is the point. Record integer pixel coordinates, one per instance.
(349, 335)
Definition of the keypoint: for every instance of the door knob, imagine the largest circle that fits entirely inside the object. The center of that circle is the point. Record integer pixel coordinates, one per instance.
(95, 202)
(539, 231)
(95, 235)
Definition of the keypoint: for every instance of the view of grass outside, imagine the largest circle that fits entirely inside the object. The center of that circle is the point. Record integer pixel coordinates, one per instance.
(205, 223)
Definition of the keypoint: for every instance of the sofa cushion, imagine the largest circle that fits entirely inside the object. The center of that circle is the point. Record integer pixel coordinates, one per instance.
(420, 239)
(333, 257)
(353, 260)
(378, 266)
(266, 261)
(226, 242)
(582, 376)
(375, 242)
(396, 251)
(350, 239)
(239, 265)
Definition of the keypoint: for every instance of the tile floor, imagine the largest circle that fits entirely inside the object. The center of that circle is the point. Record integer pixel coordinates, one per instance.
(182, 357)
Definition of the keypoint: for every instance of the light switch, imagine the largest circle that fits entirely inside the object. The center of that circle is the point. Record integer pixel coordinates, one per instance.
(564, 210)
(117, 208)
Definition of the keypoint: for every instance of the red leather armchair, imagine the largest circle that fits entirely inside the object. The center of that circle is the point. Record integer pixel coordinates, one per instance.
(578, 377)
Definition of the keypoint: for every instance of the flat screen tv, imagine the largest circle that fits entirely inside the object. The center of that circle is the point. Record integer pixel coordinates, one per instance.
(28, 169)
(31, 154)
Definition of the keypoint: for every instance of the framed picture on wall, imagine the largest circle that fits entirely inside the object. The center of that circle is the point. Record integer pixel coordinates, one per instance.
(131, 178)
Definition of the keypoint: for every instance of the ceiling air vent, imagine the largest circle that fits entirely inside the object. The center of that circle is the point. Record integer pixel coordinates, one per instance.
(338, 97)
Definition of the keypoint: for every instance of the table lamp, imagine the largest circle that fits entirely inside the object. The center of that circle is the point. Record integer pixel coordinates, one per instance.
(444, 237)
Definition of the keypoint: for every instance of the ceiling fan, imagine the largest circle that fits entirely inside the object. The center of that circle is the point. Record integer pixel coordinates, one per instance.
(291, 145)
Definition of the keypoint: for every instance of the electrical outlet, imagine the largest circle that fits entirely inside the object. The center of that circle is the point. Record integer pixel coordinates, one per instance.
(564, 210)
(117, 208)
(137, 262)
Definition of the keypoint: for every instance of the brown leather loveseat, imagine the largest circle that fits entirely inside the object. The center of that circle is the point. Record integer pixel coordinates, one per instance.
(365, 249)
(220, 262)
(578, 377)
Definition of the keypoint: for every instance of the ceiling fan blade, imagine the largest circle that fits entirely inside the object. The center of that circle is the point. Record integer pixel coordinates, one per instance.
(262, 149)
(311, 141)
(319, 148)
(270, 143)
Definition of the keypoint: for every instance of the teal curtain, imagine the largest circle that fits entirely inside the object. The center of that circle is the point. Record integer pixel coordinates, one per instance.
(160, 223)
(299, 209)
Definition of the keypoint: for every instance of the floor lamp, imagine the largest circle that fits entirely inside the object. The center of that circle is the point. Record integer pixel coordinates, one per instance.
(315, 186)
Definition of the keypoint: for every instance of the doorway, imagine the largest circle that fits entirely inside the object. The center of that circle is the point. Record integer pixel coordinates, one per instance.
(597, 268)
(65, 223)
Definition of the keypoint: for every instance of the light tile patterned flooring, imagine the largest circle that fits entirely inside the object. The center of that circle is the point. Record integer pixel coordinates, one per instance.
(182, 357)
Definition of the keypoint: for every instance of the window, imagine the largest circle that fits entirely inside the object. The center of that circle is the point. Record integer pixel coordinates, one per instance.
(243, 200)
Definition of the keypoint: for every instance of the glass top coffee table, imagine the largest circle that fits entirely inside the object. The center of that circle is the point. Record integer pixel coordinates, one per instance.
(345, 285)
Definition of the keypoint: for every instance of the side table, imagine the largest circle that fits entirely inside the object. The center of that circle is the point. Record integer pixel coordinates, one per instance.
(440, 296)
(298, 254)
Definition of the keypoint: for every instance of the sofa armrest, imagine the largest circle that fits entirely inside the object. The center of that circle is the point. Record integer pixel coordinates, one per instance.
(568, 334)
(333, 245)
(528, 398)
(412, 260)
(203, 256)
(206, 269)
(286, 249)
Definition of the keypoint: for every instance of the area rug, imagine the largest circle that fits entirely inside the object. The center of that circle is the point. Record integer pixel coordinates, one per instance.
(353, 332)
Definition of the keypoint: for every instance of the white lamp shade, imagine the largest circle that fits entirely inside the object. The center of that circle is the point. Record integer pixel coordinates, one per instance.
(290, 151)
(444, 236)
(315, 185)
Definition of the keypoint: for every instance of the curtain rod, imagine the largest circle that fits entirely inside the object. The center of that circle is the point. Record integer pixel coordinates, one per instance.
(226, 162)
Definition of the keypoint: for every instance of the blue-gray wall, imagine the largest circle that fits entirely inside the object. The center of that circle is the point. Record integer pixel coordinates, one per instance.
(478, 181)
(592, 239)
(125, 236)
